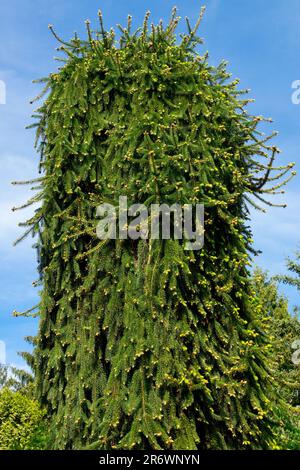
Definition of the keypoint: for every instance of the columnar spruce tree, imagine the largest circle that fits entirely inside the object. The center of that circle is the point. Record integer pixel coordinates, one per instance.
(143, 344)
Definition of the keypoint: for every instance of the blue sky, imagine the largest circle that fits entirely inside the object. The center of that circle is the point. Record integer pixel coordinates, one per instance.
(261, 41)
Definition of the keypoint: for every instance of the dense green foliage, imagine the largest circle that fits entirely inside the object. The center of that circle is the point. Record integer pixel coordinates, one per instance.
(22, 423)
(143, 344)
(293, 278)
(284, 330)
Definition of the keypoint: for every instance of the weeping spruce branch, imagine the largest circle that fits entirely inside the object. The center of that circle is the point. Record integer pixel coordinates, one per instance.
(142, 344)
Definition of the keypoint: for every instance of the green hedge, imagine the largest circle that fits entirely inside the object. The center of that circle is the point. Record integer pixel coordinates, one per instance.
(22, 424)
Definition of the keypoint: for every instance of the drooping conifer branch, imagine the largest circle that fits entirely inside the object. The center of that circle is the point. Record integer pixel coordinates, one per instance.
(50, 26)
(27, 313)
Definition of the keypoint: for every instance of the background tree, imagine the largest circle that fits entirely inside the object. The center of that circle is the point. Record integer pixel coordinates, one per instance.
(22, 424)
(293, 278)
(141, 343)
(19, 379)
(285, 330)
